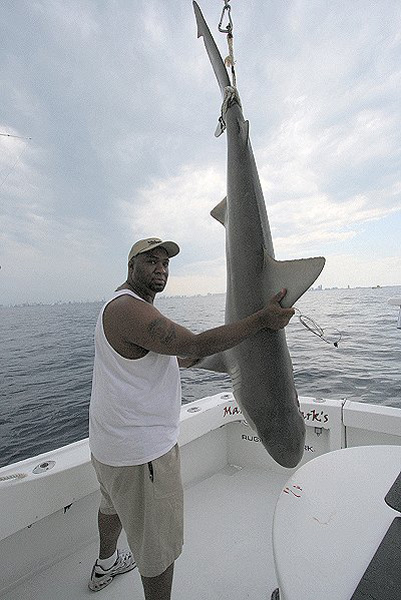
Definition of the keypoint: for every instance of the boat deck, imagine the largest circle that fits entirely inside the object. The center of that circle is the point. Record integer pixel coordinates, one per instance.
(227, 552)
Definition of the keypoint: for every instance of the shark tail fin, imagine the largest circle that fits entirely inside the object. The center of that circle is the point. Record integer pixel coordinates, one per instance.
(219, 212)
(211, 48)
(295, 275)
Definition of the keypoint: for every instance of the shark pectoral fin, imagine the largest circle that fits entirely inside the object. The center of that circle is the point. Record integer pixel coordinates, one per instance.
(216, 362)
(295, 275)
(219, 211)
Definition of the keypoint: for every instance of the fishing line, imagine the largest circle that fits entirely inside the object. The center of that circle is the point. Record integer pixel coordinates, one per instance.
(314, 328)
(19, 155)
(20, 137)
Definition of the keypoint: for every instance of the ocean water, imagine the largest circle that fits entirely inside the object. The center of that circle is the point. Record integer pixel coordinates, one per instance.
(47, 354)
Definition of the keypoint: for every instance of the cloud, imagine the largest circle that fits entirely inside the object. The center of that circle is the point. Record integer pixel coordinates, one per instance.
(178, 207)
(200, 277)
(71, 22)
(121, 105)
(322, 184)
(47, 259)
(309, 222)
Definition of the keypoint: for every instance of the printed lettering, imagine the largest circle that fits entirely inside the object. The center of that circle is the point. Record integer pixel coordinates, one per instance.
(231, 410)
(250, 438)
(316, 417)
(295, 493)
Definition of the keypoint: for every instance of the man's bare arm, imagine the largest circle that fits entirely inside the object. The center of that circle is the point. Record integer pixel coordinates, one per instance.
(140, 323)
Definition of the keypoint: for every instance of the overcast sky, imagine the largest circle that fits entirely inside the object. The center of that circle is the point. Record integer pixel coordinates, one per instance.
(121, 104)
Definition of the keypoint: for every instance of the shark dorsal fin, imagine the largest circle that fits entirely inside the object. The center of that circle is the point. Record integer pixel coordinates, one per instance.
(219, 212)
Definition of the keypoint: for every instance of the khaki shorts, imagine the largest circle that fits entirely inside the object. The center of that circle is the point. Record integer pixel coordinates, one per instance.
(149, 502)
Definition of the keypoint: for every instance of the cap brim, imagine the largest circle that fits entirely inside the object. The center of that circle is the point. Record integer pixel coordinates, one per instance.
(170, 247)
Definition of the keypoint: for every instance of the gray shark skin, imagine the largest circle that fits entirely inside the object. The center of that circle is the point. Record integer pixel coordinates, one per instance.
(260, 367)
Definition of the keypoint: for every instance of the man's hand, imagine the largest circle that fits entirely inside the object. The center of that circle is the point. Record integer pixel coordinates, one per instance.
(274, 315)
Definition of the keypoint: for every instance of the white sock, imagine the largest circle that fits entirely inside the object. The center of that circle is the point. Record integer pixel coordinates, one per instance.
(107, 563)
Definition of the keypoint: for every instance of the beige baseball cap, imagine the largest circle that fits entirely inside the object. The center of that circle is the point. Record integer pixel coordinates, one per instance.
(149, 243)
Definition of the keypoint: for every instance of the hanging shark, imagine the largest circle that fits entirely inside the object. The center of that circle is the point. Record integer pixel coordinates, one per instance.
(260, 368)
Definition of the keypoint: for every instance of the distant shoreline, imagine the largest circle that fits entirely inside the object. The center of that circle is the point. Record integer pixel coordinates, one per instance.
(167, 297)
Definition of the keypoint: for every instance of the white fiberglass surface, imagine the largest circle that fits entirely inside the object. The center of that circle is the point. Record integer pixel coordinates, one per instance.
(227, 552)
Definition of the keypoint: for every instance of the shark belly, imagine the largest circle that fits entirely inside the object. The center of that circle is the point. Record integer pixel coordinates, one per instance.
(263, 385)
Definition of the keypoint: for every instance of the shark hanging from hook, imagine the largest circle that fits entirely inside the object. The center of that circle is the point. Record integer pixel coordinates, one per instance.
(260, 368)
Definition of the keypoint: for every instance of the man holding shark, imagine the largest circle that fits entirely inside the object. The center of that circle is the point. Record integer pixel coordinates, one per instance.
(136, 393)
(134, 416)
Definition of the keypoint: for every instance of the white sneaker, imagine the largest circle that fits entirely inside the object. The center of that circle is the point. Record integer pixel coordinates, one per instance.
(100, 577)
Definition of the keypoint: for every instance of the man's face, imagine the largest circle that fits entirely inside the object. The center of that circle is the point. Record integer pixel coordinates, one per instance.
(150, 270)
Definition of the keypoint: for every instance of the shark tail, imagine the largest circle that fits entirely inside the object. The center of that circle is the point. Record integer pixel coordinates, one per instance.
(217, 63)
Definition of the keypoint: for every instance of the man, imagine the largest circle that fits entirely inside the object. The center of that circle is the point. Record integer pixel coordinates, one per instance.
(134, 417)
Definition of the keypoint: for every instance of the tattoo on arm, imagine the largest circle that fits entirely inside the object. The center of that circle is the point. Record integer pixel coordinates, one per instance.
(162, 332)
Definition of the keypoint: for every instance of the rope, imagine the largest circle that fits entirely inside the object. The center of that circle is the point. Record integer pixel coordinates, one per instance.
(228, 29)
(230, 96)
(229, 61)
(230, 93)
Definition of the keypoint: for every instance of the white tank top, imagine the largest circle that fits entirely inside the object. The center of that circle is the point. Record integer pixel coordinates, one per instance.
(135, 404)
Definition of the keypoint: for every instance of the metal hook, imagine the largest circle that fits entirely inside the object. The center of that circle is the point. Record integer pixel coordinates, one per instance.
(229, 27)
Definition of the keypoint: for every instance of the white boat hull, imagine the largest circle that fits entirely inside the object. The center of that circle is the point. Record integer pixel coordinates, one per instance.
(51, 515)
